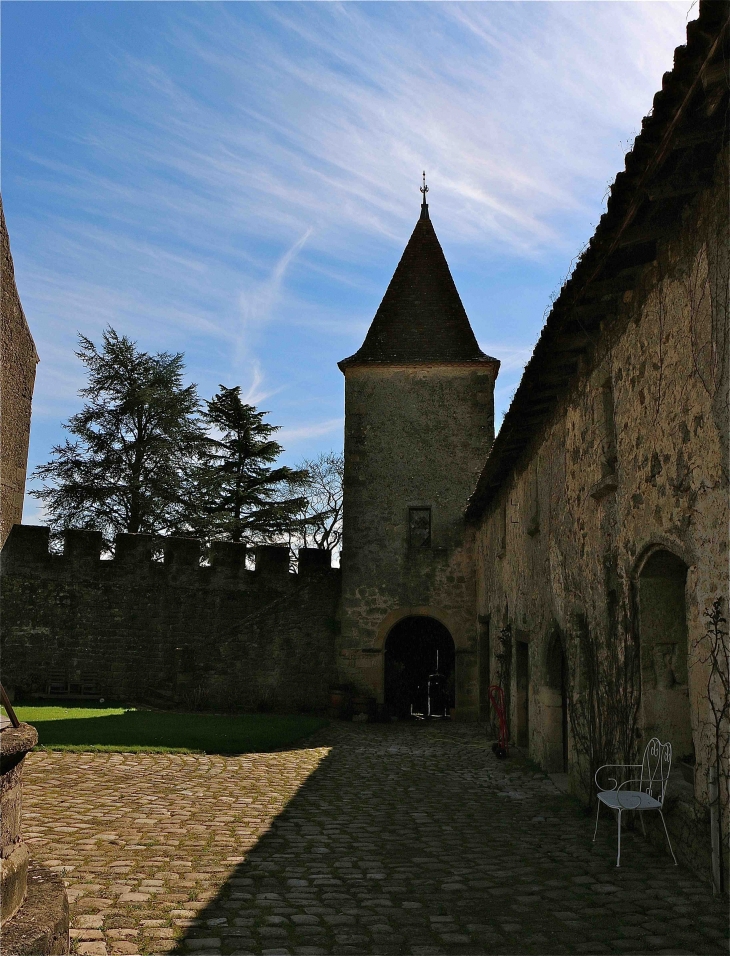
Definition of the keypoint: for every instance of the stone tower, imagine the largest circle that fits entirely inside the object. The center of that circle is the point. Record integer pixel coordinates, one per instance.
(419, 423)
(18, 360)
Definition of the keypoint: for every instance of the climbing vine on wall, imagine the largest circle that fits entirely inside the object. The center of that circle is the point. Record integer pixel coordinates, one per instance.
(604, 695)
(713, 653)
(503, 654)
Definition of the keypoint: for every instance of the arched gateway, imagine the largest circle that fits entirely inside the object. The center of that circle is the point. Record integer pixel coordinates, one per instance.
(419, 668)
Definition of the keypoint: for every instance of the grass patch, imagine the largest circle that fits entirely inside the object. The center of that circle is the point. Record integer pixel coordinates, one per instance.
(125, 729)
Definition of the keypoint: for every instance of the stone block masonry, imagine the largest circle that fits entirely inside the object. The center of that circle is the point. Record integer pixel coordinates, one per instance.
(169, 631)
(18, 360)
(601, 515)
(350, 847)
(419, 421)
(34, 910)
(396, 462)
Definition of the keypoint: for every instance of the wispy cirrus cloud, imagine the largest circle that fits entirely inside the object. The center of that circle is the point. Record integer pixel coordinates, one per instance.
(238, 180)
(259, 302)
(510, 357)
(294, 436)
(501, 101)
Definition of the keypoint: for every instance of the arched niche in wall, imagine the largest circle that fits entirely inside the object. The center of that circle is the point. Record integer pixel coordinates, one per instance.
(661, 582)
(555, 705)
(521, 709)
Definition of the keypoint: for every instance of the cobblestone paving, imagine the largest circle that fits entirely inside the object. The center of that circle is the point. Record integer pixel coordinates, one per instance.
(403, 839)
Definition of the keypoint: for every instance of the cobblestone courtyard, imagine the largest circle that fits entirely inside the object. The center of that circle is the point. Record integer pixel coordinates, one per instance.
(377, 839)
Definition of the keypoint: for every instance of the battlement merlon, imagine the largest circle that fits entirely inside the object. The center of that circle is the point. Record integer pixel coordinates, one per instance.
(27, 549)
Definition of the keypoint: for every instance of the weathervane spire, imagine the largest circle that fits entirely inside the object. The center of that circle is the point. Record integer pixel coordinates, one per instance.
(424, 204)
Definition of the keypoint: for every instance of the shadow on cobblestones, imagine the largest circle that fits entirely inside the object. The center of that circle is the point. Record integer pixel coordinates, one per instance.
(405, 839)
(412, 839)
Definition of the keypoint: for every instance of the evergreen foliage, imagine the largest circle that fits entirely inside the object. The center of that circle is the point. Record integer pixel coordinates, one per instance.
(136, 437)
(238, 495)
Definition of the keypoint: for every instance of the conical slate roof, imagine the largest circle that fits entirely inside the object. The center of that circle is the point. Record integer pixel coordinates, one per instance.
(421, 318)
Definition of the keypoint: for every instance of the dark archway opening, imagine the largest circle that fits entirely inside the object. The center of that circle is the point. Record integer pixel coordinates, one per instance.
(663, 631)
(416, 649)
(556, 718)
(522, 703)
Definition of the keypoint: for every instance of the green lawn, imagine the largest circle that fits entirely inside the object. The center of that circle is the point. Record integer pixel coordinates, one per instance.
(124, 729)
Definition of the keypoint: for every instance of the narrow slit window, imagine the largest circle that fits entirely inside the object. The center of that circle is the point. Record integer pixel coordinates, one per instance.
(419, 528)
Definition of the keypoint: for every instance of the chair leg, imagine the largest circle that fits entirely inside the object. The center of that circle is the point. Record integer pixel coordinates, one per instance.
(641, 817)
(666, 833)
(618, 855)
(598, 810)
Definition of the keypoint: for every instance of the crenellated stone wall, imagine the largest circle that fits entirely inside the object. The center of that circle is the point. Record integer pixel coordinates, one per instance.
(169, 630)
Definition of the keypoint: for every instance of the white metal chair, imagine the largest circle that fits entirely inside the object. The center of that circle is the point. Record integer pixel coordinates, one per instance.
(652, 786)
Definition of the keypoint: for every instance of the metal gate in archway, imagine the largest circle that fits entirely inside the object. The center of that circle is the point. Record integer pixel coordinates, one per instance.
(419, 668)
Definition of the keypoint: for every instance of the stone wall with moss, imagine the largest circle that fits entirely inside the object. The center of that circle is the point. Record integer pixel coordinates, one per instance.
(415, 438)
(168, 631)
(610, 537)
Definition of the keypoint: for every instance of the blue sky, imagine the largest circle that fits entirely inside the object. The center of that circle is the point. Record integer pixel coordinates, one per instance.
(237, 181)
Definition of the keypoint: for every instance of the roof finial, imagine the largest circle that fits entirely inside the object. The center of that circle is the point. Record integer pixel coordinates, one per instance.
(424, 204)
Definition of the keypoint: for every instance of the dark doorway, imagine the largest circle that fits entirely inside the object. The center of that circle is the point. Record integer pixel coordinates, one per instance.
(663, 630)
(522, 704)
(414, 649)
(556, 708)
(485, 707)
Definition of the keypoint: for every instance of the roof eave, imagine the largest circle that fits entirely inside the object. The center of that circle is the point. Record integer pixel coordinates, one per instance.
(575, 319)
(354, 361)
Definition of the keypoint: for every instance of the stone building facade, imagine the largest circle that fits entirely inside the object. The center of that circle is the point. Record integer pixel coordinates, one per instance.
(601, 516)
(18, 360)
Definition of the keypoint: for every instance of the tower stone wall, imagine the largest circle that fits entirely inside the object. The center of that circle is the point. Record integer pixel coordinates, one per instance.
(18, 359)
(419, 422)
(405, 428)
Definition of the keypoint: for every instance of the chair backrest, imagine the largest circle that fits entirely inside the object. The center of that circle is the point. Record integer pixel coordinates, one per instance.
(655, 766)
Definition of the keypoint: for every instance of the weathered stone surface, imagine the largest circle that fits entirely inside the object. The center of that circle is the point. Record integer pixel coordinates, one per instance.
(395, 460)
(11, 803)
(419, 421)
(353, 842)
(173, 631)
(13, 880)
(15, 743)
(40, 926)
(17, 378)
(645, 420)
